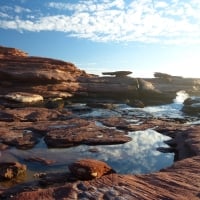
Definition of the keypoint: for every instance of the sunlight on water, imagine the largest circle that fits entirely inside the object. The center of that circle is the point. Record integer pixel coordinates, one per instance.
(181, 96)
(172, 110)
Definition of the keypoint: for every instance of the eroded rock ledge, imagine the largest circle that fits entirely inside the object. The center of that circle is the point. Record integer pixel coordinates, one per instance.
(53, 78)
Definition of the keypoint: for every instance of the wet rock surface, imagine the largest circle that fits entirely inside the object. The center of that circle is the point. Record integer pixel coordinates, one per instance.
(74, 133)
(11, 170)
(180, 181)
(192, 106)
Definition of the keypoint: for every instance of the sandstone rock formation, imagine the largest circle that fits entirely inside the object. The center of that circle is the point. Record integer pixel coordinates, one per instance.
(78, 132)
(5, 52)
(150, 91)
(23, 97)
(190, 85)
(44, 76)
(180, 181)
(117, 73)
(52, 78)
(11, 170)
(192, 106)
(88, 169)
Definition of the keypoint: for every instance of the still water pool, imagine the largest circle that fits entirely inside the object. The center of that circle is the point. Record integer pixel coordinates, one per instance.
(138, 156)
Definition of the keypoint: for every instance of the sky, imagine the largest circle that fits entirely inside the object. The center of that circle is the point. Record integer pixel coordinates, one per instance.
(142, 36)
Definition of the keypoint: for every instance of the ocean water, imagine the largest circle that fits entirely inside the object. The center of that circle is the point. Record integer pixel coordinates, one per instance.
(139, 156)
(172, 110)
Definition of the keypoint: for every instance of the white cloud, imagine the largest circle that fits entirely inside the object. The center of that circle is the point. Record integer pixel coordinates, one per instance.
(160, 4)
(107, 20)
(4, 15)
(19, 9)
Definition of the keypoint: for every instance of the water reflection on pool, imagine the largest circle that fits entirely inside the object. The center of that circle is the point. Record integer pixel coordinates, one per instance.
(135, 157)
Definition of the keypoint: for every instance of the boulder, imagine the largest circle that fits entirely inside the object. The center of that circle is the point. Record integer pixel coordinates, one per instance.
(117, 73)
(87, 169)
(162, 75)
(166, 76)
(192, 106)
(24, 97)
(10, 170)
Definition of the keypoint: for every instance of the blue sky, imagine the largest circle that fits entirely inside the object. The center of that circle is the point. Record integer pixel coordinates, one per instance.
(143, 36)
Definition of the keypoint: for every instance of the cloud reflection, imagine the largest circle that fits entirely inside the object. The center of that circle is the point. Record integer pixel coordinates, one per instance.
(139, 155)
(135, 157)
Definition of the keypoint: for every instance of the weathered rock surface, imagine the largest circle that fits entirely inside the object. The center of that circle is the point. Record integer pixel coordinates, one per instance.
(25, 141)
(29, 114)
(88, 169)
(190, 85)
(78, 132)
(11, 170)
(5, 52)
(181, 181)
(44, 76)
(117, 73)
(52, 78)
(126, 89)
(23, 97)
(192, 106)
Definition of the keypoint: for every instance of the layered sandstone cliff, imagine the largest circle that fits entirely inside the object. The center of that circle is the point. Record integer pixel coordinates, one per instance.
(22, 73)
(54, 78)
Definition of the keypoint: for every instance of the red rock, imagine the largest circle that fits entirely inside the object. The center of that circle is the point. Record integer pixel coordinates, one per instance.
(6, 52)
(78, 132)
(3, 147)
(23, 97)
(26, 141)
(50, 78)
(22, 73)
(87, 169)
(117, 73)
(6, 117)
(180, 181)
(11, 170)
(29, 114)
